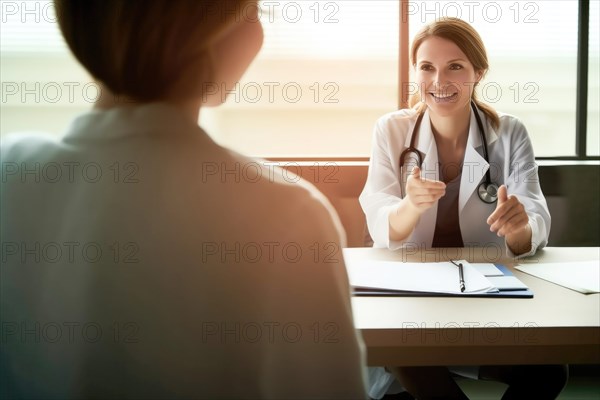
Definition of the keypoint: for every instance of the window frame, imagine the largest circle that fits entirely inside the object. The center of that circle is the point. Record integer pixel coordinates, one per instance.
(581, 109)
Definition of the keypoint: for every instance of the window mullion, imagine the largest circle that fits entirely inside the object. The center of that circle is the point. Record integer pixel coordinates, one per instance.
(582, 79)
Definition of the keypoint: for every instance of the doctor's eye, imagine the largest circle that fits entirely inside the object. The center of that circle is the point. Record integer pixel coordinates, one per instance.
(426, 67)
(456, 66)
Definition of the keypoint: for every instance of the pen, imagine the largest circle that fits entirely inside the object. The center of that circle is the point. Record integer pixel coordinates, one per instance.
(461, 276)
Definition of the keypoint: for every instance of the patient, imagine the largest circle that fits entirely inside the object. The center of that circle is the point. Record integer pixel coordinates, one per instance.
(138, 260)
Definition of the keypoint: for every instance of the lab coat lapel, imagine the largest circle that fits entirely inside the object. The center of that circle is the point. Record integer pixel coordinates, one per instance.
(474, 164)
(426, 145)
(429, 170)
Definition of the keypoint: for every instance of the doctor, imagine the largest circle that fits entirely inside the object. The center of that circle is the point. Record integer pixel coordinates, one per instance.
(439, 203)
(452, 172)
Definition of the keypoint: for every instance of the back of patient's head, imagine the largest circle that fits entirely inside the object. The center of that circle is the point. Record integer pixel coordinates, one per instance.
(147, 50)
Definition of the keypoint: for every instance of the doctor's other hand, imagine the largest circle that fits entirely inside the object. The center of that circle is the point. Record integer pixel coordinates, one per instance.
(509, 217)
(423, 193)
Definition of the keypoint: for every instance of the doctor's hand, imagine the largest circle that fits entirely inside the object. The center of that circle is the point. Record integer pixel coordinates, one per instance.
(423, 193)
(509, 217)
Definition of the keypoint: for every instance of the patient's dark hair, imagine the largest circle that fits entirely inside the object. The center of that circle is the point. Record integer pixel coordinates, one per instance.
(147, 50)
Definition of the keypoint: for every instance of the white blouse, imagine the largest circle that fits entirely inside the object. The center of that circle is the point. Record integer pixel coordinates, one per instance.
(144, 260)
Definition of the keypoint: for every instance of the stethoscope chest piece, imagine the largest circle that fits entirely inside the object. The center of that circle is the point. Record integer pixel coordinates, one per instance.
(488, 192)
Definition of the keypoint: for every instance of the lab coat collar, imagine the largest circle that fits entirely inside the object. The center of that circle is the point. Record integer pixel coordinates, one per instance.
(425, 134)
(474, 164)
(490, 133)
(425, 144)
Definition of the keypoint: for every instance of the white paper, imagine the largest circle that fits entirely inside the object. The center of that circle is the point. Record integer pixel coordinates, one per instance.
(507, 282)
(440, 277)
(487, 269)
(583, 276)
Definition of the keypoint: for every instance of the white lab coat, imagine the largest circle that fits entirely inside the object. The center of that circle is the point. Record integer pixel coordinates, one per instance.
(512, 163)
(159, 264)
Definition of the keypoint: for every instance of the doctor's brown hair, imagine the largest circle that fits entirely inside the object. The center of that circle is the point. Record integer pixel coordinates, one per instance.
(469, 42)
(148, 50)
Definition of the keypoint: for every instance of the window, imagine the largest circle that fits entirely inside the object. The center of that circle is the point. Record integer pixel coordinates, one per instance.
(593, 111)
(327, 71)
(532, 51)
(43, 86)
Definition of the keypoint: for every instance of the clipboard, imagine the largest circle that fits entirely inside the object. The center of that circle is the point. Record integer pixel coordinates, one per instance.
(502, 293)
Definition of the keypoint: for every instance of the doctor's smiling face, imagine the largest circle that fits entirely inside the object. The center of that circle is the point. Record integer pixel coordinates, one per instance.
(445, 76)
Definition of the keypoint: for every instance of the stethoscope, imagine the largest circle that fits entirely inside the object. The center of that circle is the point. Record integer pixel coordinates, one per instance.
(487, 190)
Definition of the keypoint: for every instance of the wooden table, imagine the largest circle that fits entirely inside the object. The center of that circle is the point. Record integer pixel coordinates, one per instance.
(558, 325)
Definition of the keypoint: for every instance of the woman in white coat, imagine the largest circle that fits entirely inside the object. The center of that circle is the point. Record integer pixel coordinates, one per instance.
(452, 172)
